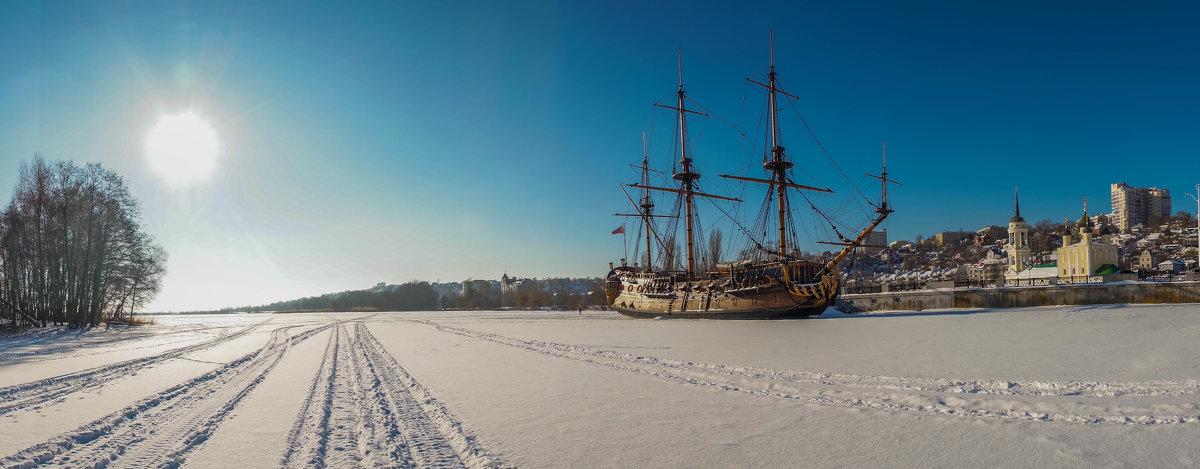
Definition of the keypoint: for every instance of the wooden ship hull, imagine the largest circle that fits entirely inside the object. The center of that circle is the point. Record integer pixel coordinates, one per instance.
(762, 292)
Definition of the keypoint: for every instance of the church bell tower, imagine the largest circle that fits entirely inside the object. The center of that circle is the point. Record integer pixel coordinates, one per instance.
(1019, 255)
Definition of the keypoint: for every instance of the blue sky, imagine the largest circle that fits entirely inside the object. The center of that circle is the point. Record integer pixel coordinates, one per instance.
(394, 141)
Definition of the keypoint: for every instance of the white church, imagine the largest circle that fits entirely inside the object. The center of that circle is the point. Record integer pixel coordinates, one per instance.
(1079, 262)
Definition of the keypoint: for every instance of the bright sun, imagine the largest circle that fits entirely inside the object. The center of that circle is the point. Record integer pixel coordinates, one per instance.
(182, 148)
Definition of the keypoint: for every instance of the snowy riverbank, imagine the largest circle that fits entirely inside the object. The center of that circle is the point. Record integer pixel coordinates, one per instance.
(1073, 386)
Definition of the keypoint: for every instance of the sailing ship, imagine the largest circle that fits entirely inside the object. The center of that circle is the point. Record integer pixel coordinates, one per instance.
(775, 283)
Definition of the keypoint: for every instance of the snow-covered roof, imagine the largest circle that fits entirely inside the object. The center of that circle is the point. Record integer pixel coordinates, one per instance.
(1081, 243)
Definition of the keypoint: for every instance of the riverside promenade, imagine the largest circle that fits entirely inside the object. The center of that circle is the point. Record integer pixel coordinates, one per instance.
(1139, 292)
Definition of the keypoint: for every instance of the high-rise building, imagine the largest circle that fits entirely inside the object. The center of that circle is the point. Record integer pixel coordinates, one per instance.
(874, 243)
(1158, 203)
(1134, 205)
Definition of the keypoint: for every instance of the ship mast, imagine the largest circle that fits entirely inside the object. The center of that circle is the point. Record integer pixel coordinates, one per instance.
(883, 212)
(686, 175)
(777, 165)
(645, 209)
(647, 204)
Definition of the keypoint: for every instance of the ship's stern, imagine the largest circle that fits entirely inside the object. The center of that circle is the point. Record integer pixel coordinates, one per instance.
(612, 287)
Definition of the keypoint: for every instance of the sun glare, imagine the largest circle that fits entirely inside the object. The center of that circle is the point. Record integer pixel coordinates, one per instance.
(182, 148)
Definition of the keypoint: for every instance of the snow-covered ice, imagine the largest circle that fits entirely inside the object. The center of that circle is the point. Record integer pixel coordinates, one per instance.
(1072, 386)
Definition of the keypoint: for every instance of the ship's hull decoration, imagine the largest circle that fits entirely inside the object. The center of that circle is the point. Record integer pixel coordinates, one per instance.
(760, 293)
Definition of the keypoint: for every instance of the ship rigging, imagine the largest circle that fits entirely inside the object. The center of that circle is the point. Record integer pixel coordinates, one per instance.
(767, 281)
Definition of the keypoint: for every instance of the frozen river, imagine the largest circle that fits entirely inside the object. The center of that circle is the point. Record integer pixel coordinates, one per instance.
(1072, 386)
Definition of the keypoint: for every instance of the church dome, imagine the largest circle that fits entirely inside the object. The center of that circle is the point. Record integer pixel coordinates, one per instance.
(1085, 222)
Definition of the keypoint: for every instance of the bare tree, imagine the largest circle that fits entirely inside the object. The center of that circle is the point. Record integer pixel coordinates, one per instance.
(670, 254)
(714, 248)
(72, 249)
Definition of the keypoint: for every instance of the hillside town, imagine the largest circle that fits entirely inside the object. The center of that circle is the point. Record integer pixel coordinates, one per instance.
(1139, 240)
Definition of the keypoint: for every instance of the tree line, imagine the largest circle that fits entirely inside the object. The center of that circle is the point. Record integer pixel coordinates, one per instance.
(411, 296)
(553, 293)
(72, 247)
(422, 296)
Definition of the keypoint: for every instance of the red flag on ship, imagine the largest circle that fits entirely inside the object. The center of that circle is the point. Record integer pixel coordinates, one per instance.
(620, 229)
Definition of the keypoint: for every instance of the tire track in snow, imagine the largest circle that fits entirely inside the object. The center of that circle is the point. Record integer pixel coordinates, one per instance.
(378, 427)
(34, 393)
(1014, 400)
(349, 428)
(365, 410)
(159, 430)
(308, 434)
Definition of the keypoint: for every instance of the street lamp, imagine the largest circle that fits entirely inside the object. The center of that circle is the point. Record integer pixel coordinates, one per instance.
(1197, 199)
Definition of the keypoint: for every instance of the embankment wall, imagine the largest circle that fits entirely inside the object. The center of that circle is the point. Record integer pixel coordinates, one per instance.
(1009, 297)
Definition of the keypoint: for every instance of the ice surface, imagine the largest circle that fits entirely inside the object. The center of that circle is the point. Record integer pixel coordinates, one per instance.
(1073, 386)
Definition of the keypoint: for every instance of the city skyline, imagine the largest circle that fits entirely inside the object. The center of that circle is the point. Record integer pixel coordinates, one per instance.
(366, 143)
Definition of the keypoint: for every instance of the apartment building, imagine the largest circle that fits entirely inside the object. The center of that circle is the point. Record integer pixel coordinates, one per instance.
(1134, 205)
